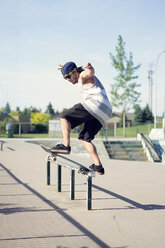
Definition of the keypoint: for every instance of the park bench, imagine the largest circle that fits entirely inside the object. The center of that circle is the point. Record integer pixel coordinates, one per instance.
(62, 161)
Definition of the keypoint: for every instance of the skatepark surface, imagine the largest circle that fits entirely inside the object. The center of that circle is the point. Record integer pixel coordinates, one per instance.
(128, 203)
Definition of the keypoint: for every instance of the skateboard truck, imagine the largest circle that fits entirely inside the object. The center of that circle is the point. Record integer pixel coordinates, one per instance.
(51, 158)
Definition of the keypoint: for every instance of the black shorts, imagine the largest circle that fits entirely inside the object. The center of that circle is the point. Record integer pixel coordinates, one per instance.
(79, 115)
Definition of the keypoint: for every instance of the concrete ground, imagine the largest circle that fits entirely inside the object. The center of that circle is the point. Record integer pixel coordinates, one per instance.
(128, 206)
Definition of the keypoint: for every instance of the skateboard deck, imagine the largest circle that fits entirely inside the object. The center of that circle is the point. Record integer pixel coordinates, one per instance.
(66, 162)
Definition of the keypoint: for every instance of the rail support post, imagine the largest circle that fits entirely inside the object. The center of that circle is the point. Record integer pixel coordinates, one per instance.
(89, 193)
(48, 172)
(59, 177)
(72, 184)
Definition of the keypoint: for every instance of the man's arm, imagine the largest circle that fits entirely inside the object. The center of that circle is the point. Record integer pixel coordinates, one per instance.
(86, 77)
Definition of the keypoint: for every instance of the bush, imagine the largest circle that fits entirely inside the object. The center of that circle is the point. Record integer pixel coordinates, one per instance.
(2, 127)
(8, 120)
(39, 128)
(39, 117)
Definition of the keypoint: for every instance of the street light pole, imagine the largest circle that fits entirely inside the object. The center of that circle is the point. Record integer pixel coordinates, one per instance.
(164, 115)
(155, 120)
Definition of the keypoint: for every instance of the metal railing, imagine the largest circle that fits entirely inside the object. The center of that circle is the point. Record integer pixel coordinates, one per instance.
(1, 144)
(73, 166)
(147, 146)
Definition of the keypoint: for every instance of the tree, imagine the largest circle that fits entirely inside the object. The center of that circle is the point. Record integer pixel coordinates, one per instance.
(121, 119)
(147, 115)
(40, 118)
(49, 109)
(7, 108)
(13, 112)
(34, 109)
(26, 111)
(29, 111)
(123, 90)
(138, 114)
(40, 122)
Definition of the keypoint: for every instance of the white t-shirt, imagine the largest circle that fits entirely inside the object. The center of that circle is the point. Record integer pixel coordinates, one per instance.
(96, 102)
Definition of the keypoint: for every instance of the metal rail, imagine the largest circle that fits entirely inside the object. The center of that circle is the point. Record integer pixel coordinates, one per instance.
(73, 166)
(148, 146)
(1, 144)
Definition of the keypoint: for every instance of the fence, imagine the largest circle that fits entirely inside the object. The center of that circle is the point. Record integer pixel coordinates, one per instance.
(21, 128)
(131, 131)
(25, 128)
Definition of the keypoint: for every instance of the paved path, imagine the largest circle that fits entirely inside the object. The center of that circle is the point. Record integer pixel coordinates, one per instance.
(128, 203)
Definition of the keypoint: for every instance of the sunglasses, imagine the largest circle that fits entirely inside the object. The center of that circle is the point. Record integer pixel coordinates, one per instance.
(68, 76)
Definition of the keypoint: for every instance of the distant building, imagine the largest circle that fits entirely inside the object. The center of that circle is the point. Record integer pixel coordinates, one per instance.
(24, 120)
(55, 128)
(115, 120)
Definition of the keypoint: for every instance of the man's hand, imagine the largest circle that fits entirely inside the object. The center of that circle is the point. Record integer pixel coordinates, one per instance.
(60, 66)
(88, 66)
(90, 70)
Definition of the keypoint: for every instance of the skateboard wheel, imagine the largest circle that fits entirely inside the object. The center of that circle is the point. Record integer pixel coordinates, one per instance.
(82, 171)
(48, 158)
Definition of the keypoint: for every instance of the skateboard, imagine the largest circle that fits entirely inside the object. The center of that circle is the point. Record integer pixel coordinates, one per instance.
(53, 155)
(66, 162)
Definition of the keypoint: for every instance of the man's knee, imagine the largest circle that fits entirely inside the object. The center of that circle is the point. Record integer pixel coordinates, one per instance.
(89, 145)
(63, 114)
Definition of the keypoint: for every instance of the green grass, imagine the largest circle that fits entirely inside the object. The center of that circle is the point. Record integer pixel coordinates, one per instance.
(130, 132)
(28, 135)
(35, 135)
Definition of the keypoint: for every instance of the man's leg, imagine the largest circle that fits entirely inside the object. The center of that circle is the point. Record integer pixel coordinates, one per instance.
(66, 128)
(91, 149)
(65, 147)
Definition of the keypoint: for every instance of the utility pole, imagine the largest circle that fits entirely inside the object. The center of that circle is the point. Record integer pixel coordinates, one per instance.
(164, 114)
(150, 73)
(155, 117)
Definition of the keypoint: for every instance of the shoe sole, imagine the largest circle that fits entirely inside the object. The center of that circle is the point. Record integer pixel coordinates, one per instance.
(100, 173)
(60, 151)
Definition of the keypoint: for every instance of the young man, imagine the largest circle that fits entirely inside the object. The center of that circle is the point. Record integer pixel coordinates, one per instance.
(93, 111)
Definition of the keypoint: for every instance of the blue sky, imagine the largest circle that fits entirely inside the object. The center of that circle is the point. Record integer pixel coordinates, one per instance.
(37, 35)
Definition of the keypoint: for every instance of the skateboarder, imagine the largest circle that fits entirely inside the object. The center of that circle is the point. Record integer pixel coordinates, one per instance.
(94, 111)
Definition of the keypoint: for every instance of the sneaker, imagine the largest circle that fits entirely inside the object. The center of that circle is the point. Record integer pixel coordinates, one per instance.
(99, 169)
(60, 148)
